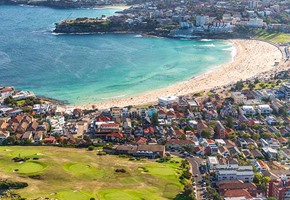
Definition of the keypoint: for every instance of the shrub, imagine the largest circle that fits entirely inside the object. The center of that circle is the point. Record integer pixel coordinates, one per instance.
(120, 170)
(90, 148)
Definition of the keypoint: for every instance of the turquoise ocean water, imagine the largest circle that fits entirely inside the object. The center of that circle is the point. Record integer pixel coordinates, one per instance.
(88, 68)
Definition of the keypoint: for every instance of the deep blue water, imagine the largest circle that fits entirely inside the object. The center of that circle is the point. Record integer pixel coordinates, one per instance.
(88, 68)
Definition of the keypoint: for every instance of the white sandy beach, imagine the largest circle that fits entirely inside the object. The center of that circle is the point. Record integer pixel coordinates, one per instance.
(251, 59)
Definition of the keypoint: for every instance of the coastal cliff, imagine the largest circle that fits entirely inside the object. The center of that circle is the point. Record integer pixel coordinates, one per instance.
(104, 25)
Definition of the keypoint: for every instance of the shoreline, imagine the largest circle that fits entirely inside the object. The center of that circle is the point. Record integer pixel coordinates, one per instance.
(252, 58)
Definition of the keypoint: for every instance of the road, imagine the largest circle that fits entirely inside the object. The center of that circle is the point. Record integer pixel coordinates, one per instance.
(195, 163)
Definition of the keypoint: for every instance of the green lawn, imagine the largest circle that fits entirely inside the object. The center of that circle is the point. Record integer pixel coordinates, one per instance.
(272, 36)
(78, 174)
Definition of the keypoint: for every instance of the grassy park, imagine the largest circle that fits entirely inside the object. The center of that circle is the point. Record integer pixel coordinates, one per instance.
(78, 174)
(276, 37)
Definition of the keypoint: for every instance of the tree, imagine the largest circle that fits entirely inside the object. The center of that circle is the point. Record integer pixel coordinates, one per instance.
(256, 136)
(251, 86)
(239, 85)
(271, 198)
(154, 119)
(230, 122)
(10, 101)
(246, 135)
(283, 111)
(257, 178)
(205, 134)
(243, 126)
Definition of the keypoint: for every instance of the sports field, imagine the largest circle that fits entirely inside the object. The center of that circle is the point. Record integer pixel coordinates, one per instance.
(78, 174)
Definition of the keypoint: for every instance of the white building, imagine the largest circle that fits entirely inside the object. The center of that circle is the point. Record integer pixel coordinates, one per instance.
(256, 22)
(253, 4)
(235, 172)
(202, 20)
(212, 161)
(271, 120)
(264, 109)
(164, 101)
(238, 97)
(247, 110)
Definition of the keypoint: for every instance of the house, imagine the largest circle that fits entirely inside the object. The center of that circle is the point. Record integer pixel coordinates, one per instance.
(247, 153)
(115, 136)
(6, 92)
(234, 151)
(270, 152)
(164, 101)
(283, 141)
(170, 115)
(247, 110)
(140, 140)
(49, 140)
(77, 113)
(212, 161)
(220, 130)
(27, 136)
(271, 120)
(274, 143)
(150, 151)
(264, 109)
(115, 112)
(277, 105)
(220, 142)
(257, 154)
(4, 135)
(242, 143)
(238, 97)
(177, 143)
(237, 194)
(223, 151)
(161, 114)
(224, 186)
(228, 111)
(127, 125)
(38, 137)
(179, 133)
(285, 154)
(22, 127)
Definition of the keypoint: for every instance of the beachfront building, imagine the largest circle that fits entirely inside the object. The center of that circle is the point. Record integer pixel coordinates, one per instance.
(256, 22)
(202, 20)
(165, 101)
(238, 97)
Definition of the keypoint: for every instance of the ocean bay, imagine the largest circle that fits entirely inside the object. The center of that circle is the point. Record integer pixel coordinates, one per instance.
(89, 68)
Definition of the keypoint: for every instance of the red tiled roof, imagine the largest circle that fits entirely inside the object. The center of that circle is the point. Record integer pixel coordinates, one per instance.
(171, 113)
(161, 112)
(210, 141)
(179, 132)
(189, 133)
(179, 115)
(50, 139)
(141, 140)
(6, 90)
(103, 119)
(180, 142)
(110, 125)
(116, 135)
(237, 193)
